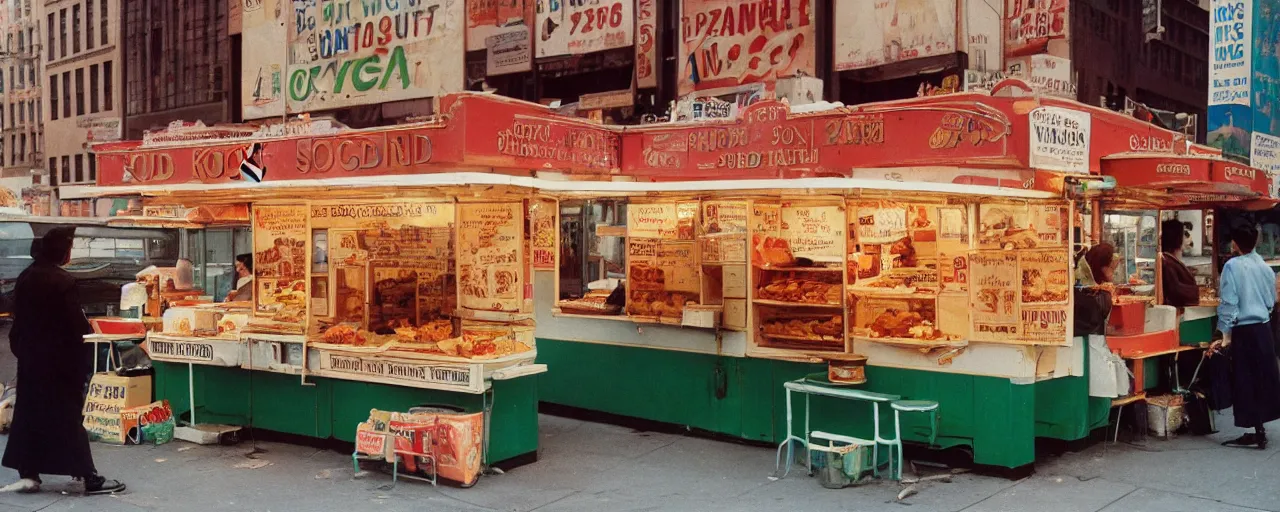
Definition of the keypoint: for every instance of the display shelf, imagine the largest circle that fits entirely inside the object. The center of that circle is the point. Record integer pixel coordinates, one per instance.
(911, 342)
(784, 304)
(799, 269)
(823, 339)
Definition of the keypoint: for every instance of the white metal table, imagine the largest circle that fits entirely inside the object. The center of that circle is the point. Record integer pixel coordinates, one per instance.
(810, 388)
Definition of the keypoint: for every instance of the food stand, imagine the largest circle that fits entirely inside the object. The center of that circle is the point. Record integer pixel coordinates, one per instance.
(391, 271)
(872, 231)
(1151, 188)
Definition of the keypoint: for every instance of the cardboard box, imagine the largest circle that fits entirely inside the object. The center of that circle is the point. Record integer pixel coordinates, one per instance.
(108, 398)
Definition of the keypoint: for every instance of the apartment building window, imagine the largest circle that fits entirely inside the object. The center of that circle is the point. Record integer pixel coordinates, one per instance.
(48, 32)
(102, 15)
(31, 75)
(53, 170)
(93, 169)
(88, 25)
(13, 118)
(75, 28)
(66, 94)
(11, 79)
(22, 115)
(106, 83)
(93, 89)
(80, 92)
(39, 115)
(62, 33)
(22, 151)
(66, 169)
(53, 97)
(22, 42)
(80, 168)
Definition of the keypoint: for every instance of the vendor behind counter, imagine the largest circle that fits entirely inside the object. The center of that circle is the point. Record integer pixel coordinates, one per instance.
(244, 280)
(1177, 282)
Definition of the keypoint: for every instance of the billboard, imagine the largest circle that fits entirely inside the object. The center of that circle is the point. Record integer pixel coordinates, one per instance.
(1266, 67)
(726, 43)
(1030, 25)
(873, 34)
(1230, 118)
(575, 27)
(262, 76)
(981, 39)
(501, 27)
(343, 54)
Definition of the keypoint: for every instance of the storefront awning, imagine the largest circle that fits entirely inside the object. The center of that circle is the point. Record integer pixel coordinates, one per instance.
(1170, 181)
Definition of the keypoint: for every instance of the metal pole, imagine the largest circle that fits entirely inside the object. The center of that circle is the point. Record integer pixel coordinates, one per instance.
(191, 391)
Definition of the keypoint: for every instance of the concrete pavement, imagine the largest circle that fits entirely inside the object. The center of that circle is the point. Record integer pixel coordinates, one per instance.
(594, 467)
(597, 467)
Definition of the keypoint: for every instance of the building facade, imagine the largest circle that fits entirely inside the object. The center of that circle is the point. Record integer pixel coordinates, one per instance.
(21, 72)
(83, 84)
(1164, 68)
(180, 63)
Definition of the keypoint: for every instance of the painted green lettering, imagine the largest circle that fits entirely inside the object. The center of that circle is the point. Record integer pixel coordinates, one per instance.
(364, 82)
(396, 61)
(341, 78)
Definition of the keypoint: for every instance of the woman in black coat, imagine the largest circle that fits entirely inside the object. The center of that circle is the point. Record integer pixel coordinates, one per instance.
(54, 365)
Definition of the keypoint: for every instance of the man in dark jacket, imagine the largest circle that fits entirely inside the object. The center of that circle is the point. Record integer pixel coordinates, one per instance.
(54, 365)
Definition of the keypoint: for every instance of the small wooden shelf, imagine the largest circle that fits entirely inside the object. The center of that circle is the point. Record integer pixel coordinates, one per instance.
(766, 302)
(800, 269)
(824, 339)
(1126, 400)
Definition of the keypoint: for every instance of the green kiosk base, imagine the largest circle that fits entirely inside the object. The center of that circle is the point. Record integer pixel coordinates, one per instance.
(331, 408)
(995, 419)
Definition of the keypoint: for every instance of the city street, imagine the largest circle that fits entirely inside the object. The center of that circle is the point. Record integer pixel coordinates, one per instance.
(593, 467)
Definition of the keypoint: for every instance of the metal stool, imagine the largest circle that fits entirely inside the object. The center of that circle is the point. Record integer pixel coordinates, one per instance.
(901, 406)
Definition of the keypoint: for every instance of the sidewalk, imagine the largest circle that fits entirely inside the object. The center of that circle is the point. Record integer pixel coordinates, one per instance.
(596, 467)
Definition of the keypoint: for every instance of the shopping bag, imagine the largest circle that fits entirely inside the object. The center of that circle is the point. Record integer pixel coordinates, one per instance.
(150, 424)
(1102, 373)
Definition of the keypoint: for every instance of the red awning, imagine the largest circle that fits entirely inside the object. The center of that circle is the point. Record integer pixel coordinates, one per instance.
(1187, 180)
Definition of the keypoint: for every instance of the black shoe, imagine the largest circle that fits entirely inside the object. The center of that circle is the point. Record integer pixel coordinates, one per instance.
(96, 485)
(1246, 440)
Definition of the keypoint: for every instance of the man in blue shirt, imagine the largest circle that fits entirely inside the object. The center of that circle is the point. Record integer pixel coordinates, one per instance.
(1248, 293)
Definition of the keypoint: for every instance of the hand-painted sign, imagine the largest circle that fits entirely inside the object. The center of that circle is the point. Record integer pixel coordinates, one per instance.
(646, 44)
(724, 43)
(1032, 24)
(1265, 155)
(575, 27)
(403, 372)
(1230, 52)
(876, 33)
(1060, 139)
(767, 142)
(348, 53)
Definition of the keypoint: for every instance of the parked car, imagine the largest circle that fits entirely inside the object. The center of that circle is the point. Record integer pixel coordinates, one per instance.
(103, 258)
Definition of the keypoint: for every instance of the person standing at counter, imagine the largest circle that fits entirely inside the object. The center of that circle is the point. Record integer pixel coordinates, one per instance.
(1248, 294)
(1179, 284)
(54, 365)
(244, 280)
(1095, 273)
